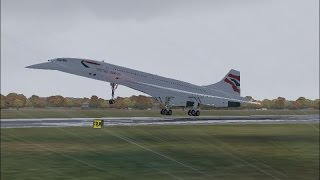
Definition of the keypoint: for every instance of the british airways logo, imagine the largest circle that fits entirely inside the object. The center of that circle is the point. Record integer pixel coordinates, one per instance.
(234, 81)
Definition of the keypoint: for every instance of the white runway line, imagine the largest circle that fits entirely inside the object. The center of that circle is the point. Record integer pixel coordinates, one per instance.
(135, 121)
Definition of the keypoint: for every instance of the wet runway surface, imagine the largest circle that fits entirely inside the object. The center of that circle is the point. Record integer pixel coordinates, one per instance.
(130, 121)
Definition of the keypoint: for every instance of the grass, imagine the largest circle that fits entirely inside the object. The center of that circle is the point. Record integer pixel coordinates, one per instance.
(282, 151)
(76, 113)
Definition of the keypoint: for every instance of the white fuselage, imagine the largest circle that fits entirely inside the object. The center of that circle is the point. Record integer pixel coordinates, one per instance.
(161, 88)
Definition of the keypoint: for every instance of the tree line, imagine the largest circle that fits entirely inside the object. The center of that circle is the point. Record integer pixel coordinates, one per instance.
(282, 103)
(14, 100)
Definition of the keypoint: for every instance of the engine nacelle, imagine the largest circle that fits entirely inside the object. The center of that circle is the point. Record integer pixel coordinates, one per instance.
(189, 104)
(221, 103)
(233, 104)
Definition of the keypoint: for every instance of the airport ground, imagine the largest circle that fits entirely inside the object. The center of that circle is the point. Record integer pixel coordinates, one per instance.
(27, 113)
(244, 147)
(242, 151)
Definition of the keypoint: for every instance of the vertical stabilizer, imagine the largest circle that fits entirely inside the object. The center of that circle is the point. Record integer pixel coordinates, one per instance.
(230, 84)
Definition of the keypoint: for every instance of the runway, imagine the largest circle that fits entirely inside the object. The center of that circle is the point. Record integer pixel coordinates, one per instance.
(131, 121)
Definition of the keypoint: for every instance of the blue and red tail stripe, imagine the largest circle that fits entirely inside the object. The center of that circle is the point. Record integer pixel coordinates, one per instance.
(234, 81)
(234, 76)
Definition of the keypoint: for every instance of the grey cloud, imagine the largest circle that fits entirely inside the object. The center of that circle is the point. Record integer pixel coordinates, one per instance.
(274, 43)
(106, 9)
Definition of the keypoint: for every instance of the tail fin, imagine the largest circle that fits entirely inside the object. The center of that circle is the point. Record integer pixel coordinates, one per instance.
(230, 84)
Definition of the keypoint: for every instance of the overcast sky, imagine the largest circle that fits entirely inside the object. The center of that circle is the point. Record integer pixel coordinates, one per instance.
(274, 43)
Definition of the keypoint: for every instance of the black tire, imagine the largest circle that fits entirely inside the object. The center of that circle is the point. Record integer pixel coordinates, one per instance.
(169, 112)
(161, 112)
(189, 113)
(193, 112)
(165, 111)
(197, 113)
(111, 101)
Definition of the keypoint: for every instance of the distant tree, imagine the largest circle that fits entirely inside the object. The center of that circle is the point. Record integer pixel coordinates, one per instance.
(316, 104)
(77, 102)
(302, 103)
(128, 102)
(3, 102)
(266, 103)
(43, 102)
(55, 101)
(102, 103)
(35, 101)
(145, 102)
(12, 97)
(94, 102)
(68, 102)
(120, 103)
(18, 103)
(250, 105)
(278, 103)
(28, 103)
(23, 98)
(290, 105)
(85, 100)
(142, 102)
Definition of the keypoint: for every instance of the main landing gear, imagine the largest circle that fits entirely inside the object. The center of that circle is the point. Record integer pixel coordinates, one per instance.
(114, 86)
(193, 104)
(166, 111)
(193, 112)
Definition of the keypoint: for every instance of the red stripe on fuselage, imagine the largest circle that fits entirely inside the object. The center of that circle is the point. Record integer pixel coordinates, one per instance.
(234, 76)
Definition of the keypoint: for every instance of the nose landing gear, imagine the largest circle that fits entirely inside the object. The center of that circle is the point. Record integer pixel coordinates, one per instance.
(114, 86)
(112, 101)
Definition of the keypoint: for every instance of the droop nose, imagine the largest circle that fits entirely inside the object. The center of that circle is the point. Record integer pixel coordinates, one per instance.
(47, 65)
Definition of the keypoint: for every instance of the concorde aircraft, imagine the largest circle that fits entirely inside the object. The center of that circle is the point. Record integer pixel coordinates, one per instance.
(169, 92)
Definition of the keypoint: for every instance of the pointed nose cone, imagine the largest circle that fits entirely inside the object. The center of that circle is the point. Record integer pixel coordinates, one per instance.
(47, 65)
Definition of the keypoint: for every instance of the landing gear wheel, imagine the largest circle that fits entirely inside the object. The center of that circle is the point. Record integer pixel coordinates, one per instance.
(193, 112)
(166, 112)
(197, 113)
(112, 101)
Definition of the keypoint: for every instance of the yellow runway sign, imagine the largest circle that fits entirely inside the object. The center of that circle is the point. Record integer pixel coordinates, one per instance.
(97, 123)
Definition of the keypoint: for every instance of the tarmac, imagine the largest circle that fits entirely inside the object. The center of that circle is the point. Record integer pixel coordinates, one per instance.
(165, 120)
